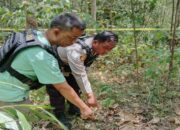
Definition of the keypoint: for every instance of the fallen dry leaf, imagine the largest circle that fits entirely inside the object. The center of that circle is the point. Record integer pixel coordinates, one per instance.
(177, 120)
(155, 120)
(138, 110)
(115, 106)
(127, 126)
(177, 111)
(127, 117)
(147, 128)
(178, 128)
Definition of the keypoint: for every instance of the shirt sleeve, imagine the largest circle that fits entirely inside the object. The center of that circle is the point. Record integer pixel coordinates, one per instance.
(46, 67)
(78, 70)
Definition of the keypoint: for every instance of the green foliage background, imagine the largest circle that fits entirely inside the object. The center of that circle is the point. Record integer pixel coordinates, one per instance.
(153, 46)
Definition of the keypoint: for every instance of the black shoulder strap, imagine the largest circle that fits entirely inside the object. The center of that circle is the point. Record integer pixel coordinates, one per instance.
(28, 40)
(24, 79)
(9, 47)
(90, 56)
(81, 41)
(25, 41)
(28, 37)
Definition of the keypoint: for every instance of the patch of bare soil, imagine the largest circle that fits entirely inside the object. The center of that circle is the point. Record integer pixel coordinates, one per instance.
(133, 117)
(115, 118)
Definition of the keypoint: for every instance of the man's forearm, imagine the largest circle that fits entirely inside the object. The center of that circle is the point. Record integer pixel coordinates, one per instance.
(83, 82)
(89, 95)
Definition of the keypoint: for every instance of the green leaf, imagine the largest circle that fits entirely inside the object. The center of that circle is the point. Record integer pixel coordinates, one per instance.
(7, 122)
(108, 102)
(11, 112)
(23, 121)
(54, 118)
(106, 88)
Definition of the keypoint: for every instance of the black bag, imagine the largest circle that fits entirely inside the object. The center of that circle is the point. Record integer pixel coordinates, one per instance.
(15, 43)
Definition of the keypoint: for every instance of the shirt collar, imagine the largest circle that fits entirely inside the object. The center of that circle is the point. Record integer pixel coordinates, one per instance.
(42, 38)
(89, 41)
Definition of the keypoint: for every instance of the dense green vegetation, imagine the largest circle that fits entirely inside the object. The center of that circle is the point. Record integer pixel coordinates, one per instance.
(139, 72)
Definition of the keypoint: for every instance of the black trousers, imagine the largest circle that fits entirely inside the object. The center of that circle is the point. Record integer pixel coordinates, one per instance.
(56, 99)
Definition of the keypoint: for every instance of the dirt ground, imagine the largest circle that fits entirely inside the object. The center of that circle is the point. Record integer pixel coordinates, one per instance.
(129, 113)
(123, 106)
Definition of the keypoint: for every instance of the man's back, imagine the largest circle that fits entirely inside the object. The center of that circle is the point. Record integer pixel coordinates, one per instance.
(35, 63)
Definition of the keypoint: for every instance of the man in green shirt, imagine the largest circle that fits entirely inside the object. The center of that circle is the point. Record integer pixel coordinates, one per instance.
(38, 64)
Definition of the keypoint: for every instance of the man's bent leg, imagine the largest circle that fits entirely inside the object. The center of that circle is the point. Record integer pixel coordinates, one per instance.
(58, 102)
(73, 110)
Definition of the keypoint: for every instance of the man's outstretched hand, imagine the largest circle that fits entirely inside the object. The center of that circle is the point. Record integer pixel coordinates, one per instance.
(87, 113)
(91, 100)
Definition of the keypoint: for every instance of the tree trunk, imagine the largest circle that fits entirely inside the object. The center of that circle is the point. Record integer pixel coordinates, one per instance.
(135, 42)
(173, 38)
(178, 13)
(31, 22)
(74, 4)
(93, 10)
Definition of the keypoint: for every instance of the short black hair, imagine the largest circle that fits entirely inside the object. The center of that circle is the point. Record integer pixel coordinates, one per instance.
(67, 21)
(106, 36)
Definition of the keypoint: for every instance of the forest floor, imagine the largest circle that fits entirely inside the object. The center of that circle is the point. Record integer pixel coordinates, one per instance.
(124, 105)
(123, 108)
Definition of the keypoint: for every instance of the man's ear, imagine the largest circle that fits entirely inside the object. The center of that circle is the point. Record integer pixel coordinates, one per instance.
(95, 42)
(57, 31)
